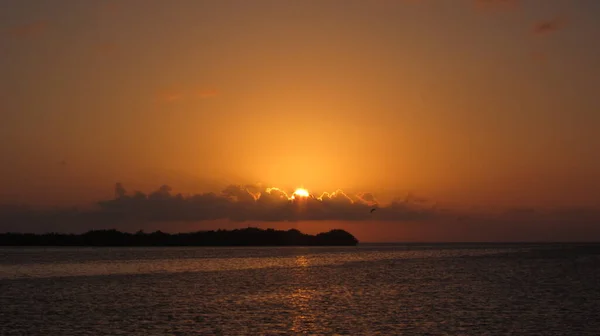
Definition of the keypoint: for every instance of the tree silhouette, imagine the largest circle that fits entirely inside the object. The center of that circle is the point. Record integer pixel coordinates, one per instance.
(238, 237)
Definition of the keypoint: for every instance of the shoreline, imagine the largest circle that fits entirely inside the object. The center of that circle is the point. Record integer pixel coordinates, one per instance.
(249, 237)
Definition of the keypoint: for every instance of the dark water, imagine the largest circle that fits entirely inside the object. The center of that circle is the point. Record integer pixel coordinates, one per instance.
(364, 290)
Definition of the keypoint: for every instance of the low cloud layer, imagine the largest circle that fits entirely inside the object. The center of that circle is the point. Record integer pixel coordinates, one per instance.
(234, 203)
(250, 203)
(238, 204)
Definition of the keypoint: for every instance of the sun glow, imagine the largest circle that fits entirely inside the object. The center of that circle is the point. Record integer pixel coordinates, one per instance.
(300, 192)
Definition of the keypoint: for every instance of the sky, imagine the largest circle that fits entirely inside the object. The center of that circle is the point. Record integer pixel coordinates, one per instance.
(467, 107)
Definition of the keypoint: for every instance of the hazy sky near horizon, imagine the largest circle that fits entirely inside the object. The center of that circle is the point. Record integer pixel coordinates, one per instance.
(470, 102)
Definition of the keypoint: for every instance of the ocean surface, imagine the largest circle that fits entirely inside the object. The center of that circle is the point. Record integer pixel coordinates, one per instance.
(391, 289)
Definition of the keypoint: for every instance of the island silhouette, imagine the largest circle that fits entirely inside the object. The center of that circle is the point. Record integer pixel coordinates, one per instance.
(238, 237)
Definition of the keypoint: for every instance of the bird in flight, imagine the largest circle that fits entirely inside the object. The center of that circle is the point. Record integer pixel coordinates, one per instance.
(373, 210)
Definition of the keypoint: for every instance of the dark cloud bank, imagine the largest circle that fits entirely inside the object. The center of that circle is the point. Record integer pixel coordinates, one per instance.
(234, 203)
(137, 210)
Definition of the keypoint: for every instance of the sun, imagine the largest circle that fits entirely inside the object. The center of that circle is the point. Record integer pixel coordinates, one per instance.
(300, 192)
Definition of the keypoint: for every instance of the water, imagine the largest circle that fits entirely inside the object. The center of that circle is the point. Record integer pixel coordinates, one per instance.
(366, 290)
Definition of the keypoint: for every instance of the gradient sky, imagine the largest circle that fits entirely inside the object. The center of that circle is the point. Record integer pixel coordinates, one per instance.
(486, 103)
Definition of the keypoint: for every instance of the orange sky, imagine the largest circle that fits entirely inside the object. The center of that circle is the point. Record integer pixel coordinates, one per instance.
(467, 102)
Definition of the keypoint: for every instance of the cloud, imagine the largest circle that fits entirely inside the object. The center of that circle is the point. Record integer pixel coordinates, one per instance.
(545, 27)
(367, 198)
(29, 30)
(337, 196)
(236, 204)
(240, 194)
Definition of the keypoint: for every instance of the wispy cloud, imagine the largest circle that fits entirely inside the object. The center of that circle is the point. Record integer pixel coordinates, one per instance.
(207, 93)
(29, 30)
(545, 27)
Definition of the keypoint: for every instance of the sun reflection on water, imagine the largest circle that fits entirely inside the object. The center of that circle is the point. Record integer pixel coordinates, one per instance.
(303, 311)
(301, 299)
(302, 261)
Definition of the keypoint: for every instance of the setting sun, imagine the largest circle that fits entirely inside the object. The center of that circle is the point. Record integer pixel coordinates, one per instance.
(300, 192)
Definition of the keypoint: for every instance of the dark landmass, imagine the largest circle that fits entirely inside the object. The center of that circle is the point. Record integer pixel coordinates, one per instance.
(238, 237)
